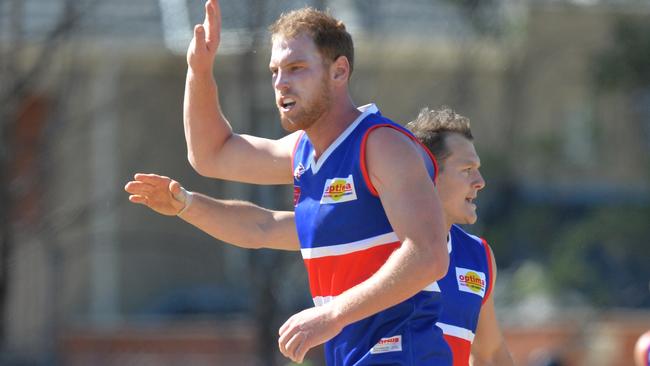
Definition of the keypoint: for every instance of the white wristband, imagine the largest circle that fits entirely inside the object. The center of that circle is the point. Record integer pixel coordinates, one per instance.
(188, 200)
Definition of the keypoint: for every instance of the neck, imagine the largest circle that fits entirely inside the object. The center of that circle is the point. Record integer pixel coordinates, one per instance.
(333, 122)
(448, 224)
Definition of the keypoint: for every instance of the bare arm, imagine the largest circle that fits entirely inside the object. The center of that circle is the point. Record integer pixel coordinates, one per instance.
(489, 347)
(237, 222)
(213, 149)
(414, 211)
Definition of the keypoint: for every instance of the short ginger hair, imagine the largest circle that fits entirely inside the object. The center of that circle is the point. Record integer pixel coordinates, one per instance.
(329, 34)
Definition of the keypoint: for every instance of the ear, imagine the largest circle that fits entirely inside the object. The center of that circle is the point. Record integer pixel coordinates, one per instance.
(340, 69)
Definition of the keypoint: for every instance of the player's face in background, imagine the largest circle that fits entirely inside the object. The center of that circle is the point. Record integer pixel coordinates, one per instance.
(460, 180)
(300, 80)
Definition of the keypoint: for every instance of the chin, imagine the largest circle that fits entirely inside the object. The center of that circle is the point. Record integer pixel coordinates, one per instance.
(289, 125)
(296, 123)
(470, 219)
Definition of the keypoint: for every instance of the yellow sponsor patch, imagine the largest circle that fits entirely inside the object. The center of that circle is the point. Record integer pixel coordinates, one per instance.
(339, 190)
(471, 281)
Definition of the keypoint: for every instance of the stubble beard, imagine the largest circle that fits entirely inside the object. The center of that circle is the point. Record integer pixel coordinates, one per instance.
(310, 112)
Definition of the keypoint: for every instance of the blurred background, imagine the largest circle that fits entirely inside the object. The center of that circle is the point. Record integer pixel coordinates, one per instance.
(91, 91)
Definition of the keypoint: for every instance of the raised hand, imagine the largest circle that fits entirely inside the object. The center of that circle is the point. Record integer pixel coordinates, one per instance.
(161, 194)
(204, 45)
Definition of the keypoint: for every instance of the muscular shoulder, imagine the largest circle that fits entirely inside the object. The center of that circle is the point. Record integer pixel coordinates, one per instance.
(388, 134)
(392, 158)
(386, 144)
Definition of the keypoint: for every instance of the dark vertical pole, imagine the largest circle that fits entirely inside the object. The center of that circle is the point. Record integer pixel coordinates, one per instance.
(265, 305)
(5, 228)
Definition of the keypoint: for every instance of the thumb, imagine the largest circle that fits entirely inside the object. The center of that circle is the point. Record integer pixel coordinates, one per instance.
(176, 191)
(199, 36)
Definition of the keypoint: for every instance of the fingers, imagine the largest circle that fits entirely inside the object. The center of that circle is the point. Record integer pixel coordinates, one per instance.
(212, 24)
(293, 342)
(149, 185)
(286, 333)
(153, 179)
(284, 326)
(155, 192)
(294, 346)
(282, 342)
(138, 199)
(204, 44)
(300, 353)
(139, 188)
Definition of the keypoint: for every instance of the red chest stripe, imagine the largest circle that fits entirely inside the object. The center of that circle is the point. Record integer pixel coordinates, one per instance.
(460, 348)
(332, 275)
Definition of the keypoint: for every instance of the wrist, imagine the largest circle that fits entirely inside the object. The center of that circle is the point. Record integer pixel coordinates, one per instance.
(201, 72)
(186, 197)
(337, 314)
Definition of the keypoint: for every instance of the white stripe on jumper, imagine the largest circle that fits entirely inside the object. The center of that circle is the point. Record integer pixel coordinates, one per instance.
(457, 332)
(432, 287)
(347, 248)
(322, 300)
(365, 111)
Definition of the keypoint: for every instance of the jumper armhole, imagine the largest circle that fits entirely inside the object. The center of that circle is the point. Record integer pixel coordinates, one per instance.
(488, 257)
(362, 156)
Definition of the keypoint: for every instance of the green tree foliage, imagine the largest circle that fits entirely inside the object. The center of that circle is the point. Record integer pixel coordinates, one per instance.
(605, 256)
(626, 64)
(601, 253)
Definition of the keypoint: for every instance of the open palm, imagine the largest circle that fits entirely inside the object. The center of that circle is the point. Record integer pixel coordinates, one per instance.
(159, 193)
(204, 45)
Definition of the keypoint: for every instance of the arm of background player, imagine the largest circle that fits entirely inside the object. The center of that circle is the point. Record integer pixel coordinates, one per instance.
(641, 349)
(212, 148)
(415, 213)
(489, 346)
(237, 222)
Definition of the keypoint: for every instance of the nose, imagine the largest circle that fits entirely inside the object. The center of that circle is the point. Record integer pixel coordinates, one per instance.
(479, 182)
(280, 81)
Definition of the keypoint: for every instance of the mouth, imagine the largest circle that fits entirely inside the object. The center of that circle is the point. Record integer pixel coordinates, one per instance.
(286, 104)
(470, 200)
